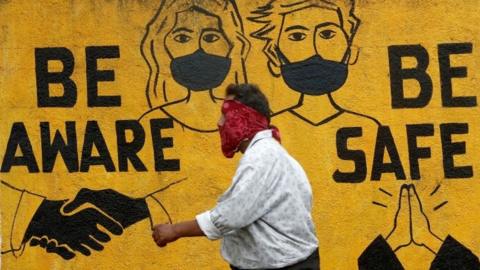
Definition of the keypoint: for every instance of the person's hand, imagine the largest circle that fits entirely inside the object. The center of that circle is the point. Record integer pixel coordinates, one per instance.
(400, 235)
(422, 234)
(164, 234)
(121, 208)
(64, 234)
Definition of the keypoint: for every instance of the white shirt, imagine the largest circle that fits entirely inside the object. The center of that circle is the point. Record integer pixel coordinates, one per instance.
(264, 217)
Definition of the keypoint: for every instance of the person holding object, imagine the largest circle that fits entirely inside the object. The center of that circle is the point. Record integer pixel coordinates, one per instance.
(264, 218)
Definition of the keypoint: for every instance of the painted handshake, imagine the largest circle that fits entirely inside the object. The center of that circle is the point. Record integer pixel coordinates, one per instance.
(75, 228)
(411, 224)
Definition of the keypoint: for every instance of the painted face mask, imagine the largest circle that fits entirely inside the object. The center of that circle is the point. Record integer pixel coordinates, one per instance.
(315, 75)
(241, 123)
(200, 70)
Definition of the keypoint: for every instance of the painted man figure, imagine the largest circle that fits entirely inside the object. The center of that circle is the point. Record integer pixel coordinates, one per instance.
(264, 218)
(309, 49)
(309, 44)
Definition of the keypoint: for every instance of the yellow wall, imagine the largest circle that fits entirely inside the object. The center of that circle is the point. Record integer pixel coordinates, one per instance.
(346, 217)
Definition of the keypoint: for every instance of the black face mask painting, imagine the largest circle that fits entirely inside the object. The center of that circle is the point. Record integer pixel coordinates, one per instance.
(199, 70)
(315, 75)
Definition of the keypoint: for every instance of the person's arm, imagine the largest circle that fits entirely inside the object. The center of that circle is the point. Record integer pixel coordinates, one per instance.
(250, 197)
(166, 233)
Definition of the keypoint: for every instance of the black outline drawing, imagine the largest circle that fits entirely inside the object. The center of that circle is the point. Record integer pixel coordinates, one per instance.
(170, 8)
(276, 58)
(450, 255)
(59, 227)
(408, 188)
(442, 204)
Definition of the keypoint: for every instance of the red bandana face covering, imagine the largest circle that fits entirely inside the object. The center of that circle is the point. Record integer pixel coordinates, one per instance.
(241, 124)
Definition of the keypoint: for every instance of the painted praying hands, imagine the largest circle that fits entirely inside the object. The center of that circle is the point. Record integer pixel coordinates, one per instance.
(411, 227)
(411, 224)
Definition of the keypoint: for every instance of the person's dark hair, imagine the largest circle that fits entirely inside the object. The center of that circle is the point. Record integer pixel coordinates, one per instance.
(250, 95)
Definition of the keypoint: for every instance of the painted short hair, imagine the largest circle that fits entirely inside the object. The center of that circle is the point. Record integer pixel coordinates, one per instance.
(270, 15)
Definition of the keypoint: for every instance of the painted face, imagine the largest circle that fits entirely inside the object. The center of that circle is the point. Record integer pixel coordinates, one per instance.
(195, 29)
(313, 53)
(199, 50)
(313, 31)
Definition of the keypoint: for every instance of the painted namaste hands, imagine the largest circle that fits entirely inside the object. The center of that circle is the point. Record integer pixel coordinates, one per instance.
(66, 227)
(411, 224)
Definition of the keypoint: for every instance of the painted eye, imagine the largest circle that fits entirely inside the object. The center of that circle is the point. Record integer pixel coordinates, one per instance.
(211, 38)
(182, 38)
(327, 34)
(297, 36)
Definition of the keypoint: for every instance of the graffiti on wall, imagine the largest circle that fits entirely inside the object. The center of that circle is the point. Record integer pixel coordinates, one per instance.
(362, 164)
(58, 227)
(311, 55)
(449, 253)
(203, 48)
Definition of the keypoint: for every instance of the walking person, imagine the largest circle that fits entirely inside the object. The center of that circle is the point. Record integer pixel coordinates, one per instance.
(264, 218)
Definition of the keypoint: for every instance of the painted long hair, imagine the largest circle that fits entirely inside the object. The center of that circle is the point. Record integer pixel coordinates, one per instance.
(155, 54)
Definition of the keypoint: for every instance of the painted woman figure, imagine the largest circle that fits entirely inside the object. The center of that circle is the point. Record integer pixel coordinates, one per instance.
(193, 49)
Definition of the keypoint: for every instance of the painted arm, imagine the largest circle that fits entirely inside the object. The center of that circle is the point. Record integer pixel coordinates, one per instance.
(453, 255)
(18, 208)
(379, 255)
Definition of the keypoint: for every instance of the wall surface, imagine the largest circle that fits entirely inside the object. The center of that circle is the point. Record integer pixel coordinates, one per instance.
(109, 116)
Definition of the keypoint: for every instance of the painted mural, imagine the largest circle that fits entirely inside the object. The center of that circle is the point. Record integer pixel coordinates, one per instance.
(109, 126)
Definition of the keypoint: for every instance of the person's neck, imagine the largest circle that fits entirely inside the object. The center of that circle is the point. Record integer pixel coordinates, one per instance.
(317, 109)
(243, 146)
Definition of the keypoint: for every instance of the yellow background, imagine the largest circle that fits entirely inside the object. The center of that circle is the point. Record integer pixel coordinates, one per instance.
(346, 220)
